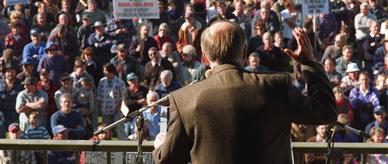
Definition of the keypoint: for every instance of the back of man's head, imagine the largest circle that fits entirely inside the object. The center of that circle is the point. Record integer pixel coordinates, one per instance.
(224, 42)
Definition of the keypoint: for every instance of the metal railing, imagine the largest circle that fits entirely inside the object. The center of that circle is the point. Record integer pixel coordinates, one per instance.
(131, 146)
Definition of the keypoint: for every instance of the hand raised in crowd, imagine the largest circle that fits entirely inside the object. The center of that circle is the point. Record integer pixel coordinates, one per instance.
(305, 50)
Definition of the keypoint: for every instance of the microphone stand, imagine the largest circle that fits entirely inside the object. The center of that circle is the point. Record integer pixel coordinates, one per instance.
(330, 143)
(139, 122)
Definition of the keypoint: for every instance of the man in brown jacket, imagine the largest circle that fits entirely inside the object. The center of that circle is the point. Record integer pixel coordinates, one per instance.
(239, 117)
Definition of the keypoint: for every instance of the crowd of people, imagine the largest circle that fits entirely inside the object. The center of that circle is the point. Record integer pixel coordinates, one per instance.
(65, 63)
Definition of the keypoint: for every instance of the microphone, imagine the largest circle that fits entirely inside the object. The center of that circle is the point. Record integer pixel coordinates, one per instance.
(351, 129)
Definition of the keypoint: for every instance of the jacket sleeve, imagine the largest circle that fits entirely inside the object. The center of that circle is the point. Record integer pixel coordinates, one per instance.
(175, 148)
(318, 106)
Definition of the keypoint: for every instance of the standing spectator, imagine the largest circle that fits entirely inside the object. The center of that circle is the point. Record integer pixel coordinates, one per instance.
(334, 51)
(28, 70)
(291, 18)
(361, 24)
(142, 44)
(242, 19)
(333, 76)
(121, 32)
(36, 131)
(222, 14)
(188, 67)
(377, 9)
(60, 132)
(167, 84)
(67, 42)
(29, 100)
(101, 44)
(272, 57)
(94, 13)
(87, 56)
(45, 84)
(163, 35)
(136, 93)
(66, 87)
(167, 52)
(189, 33)
(380, 115)
(346, 58)
(363, 100)
(34, 50)
(268, 17)
(79, 72)
(125, 63)
(16, 41)
(257, 39)
(254, 64)
(321, 137)
(70, 119)
(372, 41)
(53, 62)
(153, 68)
(8, 93)
(110, 94)
(84, 31)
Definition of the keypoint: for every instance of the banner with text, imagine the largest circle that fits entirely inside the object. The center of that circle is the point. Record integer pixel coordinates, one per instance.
(14, 2)
(127, 9)
(311, 7)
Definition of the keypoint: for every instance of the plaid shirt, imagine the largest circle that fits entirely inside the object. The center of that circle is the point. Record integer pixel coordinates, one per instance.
(110, 93)
(16, 45)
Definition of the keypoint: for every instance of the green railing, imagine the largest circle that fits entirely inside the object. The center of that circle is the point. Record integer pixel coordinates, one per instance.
(131, 146)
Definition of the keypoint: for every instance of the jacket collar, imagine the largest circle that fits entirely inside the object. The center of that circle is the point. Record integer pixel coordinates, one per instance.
(220, 68)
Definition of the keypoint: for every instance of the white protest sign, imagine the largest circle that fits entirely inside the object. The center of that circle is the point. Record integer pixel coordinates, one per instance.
(147, 157)
(127, 9)
(311, 7)
(101, 157)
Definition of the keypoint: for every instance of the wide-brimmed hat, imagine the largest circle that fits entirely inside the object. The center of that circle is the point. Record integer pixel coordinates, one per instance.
(59, 129)
(29, 80)
(352, 67)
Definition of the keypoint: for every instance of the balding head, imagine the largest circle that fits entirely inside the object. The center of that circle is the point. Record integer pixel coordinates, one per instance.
(224, 42)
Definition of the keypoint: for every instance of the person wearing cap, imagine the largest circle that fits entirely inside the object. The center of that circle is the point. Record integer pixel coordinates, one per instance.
(136, 93)
(60, 132)
(121, 31)
(67, 42)
(94, 13)
(45, 84)
(34, 50)
(84, 31)
(31, 99)
(28, 70)
(189, 33)
(350, 81)
(142, 43)
(53, 62)
(16, 40)
(363, 100)
(86, 103)
(69, 118)
(124, 62)
(346, 58)
(16, 156)
(101, 43)
(380, 116)
(66, 87)
(9, 89)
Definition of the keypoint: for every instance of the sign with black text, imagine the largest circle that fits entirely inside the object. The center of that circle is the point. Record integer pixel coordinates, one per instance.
(311, 7)
(127, 9)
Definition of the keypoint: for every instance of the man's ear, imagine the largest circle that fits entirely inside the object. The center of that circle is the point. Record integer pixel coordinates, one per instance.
(204, 57)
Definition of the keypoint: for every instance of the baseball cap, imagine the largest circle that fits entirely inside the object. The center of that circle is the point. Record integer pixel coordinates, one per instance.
(85, 16)
(29, 80)
(379, 109)
(34, 31)
(59, 129)
(132, 76)
(51, 46)
(13, 128)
